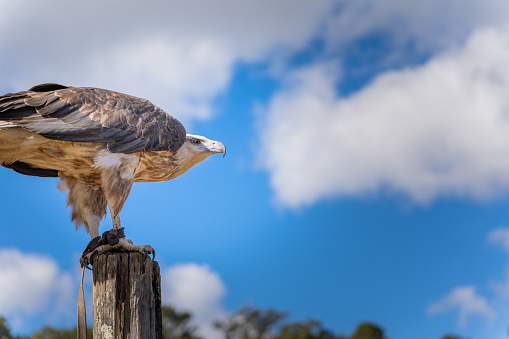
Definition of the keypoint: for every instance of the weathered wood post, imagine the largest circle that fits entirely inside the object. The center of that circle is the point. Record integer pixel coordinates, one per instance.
(126, 297)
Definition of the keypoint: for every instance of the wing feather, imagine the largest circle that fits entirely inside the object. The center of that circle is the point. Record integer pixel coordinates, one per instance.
(125, 123)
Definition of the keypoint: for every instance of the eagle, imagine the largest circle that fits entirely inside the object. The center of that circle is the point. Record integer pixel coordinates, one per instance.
(98, 143)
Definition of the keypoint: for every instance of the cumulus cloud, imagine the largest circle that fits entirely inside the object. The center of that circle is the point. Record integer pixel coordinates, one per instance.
(438, 129)
(31, 283)
(428, 25)
(465, 300)
(197, 289)
(180, 55)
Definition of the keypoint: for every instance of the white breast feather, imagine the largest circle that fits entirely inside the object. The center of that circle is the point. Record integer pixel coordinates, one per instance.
(108, 161)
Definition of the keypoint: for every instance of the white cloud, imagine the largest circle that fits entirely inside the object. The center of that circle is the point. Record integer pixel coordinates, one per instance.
(500, 236)
(429, 25)
(184, 76)
(438, 129)
(197, 289)
(180, 55)
(467, 303)
(32, 283)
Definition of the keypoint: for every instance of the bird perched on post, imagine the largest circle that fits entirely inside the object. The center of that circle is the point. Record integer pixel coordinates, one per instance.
(98, 142)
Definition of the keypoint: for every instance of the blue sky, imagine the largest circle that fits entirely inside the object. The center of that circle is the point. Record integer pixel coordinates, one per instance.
(366, 176)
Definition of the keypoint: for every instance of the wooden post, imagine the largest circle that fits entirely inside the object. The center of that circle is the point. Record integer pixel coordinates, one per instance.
(126, 297)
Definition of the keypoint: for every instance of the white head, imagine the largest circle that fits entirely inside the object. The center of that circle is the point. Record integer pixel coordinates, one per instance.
(197, 148)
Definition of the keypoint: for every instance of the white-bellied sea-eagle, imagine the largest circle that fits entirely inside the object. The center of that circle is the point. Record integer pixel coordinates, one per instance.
(98, 142)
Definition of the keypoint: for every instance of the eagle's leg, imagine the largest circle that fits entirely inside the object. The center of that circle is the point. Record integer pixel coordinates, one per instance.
(116, 184)
(115, 218)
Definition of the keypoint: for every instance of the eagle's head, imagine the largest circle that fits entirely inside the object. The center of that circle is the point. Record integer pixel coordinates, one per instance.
(199, 145)
(197, 148)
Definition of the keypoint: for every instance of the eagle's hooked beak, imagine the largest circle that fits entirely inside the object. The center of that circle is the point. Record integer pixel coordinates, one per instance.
(218, 147)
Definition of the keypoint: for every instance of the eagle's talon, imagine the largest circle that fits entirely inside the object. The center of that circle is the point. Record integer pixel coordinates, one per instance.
(91, 258)
(82, 259)
(147, 250)
(84, 263)
(87, 258)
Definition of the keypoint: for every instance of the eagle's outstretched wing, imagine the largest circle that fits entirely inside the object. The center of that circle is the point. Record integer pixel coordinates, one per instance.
(125, 123)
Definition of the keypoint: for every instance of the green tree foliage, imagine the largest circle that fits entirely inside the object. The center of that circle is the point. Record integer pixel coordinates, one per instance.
(51, 333)
(310, 329)
(250, 323)
(45, 333)
(177, 325)
(5, 333)
(247, 323)
(368, 331)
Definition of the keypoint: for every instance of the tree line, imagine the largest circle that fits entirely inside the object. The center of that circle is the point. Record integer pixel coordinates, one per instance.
(246, 323)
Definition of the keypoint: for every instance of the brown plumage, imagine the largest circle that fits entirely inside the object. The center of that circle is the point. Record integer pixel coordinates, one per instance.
(98, 142)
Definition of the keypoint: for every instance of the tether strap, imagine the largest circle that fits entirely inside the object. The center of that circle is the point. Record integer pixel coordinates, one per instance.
(82, 311)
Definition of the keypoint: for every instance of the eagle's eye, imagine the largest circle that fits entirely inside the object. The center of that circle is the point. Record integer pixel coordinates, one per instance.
(195, 141)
